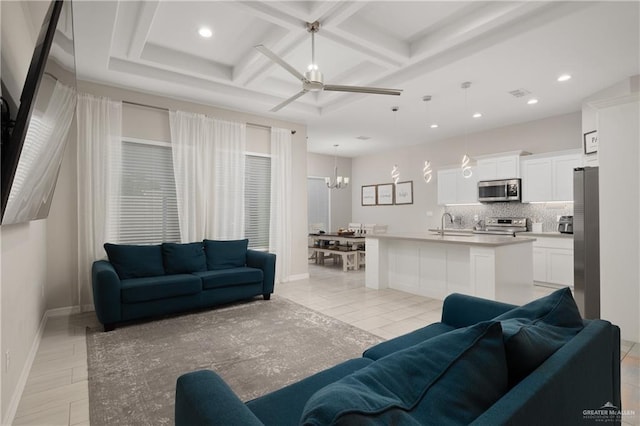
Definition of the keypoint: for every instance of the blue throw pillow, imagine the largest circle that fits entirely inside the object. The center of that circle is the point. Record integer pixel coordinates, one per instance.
(225, 254)
(449, 379)
(183, 258)
(533, 332)
(132, 261)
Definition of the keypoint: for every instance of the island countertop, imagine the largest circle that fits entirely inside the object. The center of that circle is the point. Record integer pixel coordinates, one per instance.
(462, 238)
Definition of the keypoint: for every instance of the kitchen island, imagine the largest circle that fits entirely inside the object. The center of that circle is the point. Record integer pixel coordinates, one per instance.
(490, 266)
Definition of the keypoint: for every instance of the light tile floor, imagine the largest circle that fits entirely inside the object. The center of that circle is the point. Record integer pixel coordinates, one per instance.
(56, 392)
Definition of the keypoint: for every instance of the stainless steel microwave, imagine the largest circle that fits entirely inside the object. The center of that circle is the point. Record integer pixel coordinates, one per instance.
(499, 190)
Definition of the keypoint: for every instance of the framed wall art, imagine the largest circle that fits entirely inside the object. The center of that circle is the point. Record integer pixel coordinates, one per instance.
(385, 194)
(404, 192)
(591, 142)
(368, 195)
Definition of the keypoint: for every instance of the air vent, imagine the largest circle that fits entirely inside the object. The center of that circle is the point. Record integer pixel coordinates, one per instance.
(519, 93)
(364, 138)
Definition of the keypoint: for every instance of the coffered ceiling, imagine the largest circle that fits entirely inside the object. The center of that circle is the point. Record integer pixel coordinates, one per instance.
(422, 47)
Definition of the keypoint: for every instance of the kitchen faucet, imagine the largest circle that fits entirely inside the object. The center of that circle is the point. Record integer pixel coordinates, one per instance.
(442, 222)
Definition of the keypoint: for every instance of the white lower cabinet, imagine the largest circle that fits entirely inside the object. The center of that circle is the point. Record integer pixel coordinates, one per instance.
(553, 260)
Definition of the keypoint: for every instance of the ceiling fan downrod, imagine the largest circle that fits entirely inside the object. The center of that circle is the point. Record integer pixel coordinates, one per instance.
(313, 75)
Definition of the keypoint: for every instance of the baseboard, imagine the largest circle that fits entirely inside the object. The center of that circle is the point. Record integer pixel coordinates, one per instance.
(88, 308)
(298, 277)
(24, 375)
(60, 312)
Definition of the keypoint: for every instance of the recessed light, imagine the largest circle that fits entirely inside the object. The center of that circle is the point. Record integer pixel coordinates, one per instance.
(477, 115)
(532, 101)
(434, 126)
(564, 77)
(205, 32)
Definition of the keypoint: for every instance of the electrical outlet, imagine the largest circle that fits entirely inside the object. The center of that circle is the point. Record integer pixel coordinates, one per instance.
(7, 361)
(475, 217)
(429, 213)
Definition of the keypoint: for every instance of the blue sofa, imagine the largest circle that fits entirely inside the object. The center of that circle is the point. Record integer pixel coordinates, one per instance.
(485, 363)
(142, 281)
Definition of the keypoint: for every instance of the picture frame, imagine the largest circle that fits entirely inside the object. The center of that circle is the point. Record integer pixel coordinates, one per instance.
(385, 194)
(368, 195)
(591, 142)
(404, 192)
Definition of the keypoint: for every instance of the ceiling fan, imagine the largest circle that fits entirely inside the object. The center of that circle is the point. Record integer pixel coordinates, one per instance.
(312, 80)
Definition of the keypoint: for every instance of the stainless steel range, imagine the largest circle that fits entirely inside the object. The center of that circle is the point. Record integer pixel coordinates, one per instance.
(503, 226)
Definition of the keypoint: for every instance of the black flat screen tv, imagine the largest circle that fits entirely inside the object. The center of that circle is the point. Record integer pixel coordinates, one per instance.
(32, 150)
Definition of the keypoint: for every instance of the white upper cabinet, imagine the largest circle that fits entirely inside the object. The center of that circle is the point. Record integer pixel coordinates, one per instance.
(536, 180)
(502, 167)
(453, 188)
(549, 178)
(562, 168)
(447, 186)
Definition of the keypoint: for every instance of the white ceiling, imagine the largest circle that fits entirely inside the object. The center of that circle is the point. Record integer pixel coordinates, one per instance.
(422, 47)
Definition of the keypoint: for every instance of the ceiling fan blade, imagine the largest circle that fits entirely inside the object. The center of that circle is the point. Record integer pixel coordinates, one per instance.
(362, 89)
(288, 101)
(275, 58)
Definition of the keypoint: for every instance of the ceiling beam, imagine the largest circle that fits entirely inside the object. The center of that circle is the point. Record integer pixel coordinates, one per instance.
(146, 12)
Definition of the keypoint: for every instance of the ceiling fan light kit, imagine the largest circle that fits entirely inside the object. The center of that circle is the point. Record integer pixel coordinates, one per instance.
(312, 79)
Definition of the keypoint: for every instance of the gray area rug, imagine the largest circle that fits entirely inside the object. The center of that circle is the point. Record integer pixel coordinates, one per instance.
(257, 347)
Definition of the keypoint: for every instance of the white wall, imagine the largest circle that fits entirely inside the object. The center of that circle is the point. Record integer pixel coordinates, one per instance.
(23, 246)
(617, 115)
(546, 135)
(319, 165)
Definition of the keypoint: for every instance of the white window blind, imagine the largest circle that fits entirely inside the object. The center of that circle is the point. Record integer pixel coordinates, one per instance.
(257, 201)
(148, 205)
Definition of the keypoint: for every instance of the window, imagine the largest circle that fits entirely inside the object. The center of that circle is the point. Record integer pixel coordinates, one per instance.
(318, 204)
(148, 204)
(257, 200)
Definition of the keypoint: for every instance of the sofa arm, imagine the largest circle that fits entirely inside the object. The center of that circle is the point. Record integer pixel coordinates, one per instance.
(267, 262)
(204, 399)
(106, 292)
(582, 375)
(461, 310)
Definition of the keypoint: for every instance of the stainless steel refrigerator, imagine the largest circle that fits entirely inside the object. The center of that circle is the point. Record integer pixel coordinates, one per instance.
(586, 241)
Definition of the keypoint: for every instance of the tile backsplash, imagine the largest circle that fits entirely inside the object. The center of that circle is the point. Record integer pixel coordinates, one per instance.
(546, 213)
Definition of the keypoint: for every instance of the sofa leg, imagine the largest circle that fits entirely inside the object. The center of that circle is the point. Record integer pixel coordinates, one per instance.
(109, 327)
(267, 296)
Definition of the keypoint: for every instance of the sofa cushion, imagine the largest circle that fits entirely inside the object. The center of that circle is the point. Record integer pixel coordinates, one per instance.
(153, 288)
(534, 331)
(284, 406)
(223, 254)
(449, 379)
(406, 340)
(183, 258)
(135, 261)
(229, 277)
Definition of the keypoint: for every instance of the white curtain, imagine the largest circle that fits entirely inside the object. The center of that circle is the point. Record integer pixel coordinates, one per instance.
(280, 235)
(192, 150)
(41, 156)
(99, 162)
(229, 165)
(208, 164)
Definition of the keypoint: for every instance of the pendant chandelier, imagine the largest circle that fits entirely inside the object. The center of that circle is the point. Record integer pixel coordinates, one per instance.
(339, 182)
(426, 170)
(465, 166)
(395, 171)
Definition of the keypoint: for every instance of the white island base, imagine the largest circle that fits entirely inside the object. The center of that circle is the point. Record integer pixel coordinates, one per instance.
(493, 267)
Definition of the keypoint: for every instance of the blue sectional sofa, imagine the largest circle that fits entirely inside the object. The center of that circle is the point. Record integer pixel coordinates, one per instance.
(142, 281)
(485, 363)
